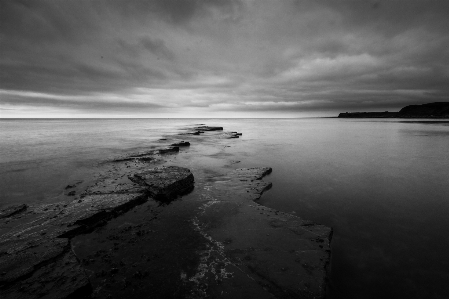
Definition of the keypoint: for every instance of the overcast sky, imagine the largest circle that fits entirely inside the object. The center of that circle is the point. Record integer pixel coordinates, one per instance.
(217, 58)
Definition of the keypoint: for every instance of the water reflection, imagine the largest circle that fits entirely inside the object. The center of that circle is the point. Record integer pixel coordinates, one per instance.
(382, 185)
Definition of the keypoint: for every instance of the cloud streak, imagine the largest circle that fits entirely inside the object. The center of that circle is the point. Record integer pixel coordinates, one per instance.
(214, 58)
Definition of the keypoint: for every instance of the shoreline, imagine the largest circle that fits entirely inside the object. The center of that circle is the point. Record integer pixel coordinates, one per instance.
(117, 240)
(436, 110)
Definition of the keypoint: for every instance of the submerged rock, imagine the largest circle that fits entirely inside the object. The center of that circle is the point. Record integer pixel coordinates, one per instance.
(168, 150)
(194, 133)
(182, 143)
(73, 185)
(260, 250)
(147, 155)
(234, 135)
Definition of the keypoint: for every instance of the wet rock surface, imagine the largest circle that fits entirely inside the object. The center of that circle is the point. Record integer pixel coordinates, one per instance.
(9, 211)
(36, 256)
(252, 245)
(165, 182)
(131, 234)
(154, 155)
(208, 128)
(181, 143)
(62, 278)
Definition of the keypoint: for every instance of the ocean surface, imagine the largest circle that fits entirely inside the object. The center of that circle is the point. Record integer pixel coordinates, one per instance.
(383, 185)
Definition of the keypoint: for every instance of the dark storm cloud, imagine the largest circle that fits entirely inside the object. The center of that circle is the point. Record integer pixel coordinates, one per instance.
(157, 47)
(154, 46)
(173, 11)
(285, 56)
(79, 103)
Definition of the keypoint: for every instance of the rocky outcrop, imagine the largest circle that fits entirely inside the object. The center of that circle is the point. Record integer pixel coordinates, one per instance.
(115, 241)
(234, 135)
(168, 150)
(165, 182)
(196, 133)
(36, 259)
(181, 143)
(208, 128)
(152, 155)
(199, 130)
(9, 211)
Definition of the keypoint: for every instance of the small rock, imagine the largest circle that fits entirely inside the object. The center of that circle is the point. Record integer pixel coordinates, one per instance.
(182, 143)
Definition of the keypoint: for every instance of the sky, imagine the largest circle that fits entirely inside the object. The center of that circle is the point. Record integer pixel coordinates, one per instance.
(217, 58)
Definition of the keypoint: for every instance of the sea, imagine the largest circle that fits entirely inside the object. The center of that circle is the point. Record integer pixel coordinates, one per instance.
(381, 184)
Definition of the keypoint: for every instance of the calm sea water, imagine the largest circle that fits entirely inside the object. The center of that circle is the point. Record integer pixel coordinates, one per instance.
(383, 185)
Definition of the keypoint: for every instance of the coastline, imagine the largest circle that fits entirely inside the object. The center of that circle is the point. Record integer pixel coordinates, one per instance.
(215, 241)
(437, 110)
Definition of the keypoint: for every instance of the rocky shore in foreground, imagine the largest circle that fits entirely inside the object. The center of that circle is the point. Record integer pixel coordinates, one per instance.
(149, 228)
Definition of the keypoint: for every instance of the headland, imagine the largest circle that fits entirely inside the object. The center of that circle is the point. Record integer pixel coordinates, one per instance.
(430, 110)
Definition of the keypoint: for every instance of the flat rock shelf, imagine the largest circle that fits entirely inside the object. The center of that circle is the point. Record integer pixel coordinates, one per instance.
(148, 228)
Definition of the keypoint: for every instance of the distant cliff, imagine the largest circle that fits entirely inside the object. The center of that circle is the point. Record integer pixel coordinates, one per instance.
(430, 110)
(385, 114)
(439, 109)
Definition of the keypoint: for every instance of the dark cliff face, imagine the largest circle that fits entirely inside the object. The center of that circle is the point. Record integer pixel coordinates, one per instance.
(385, 114)
(430, 110)
(439, 109)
